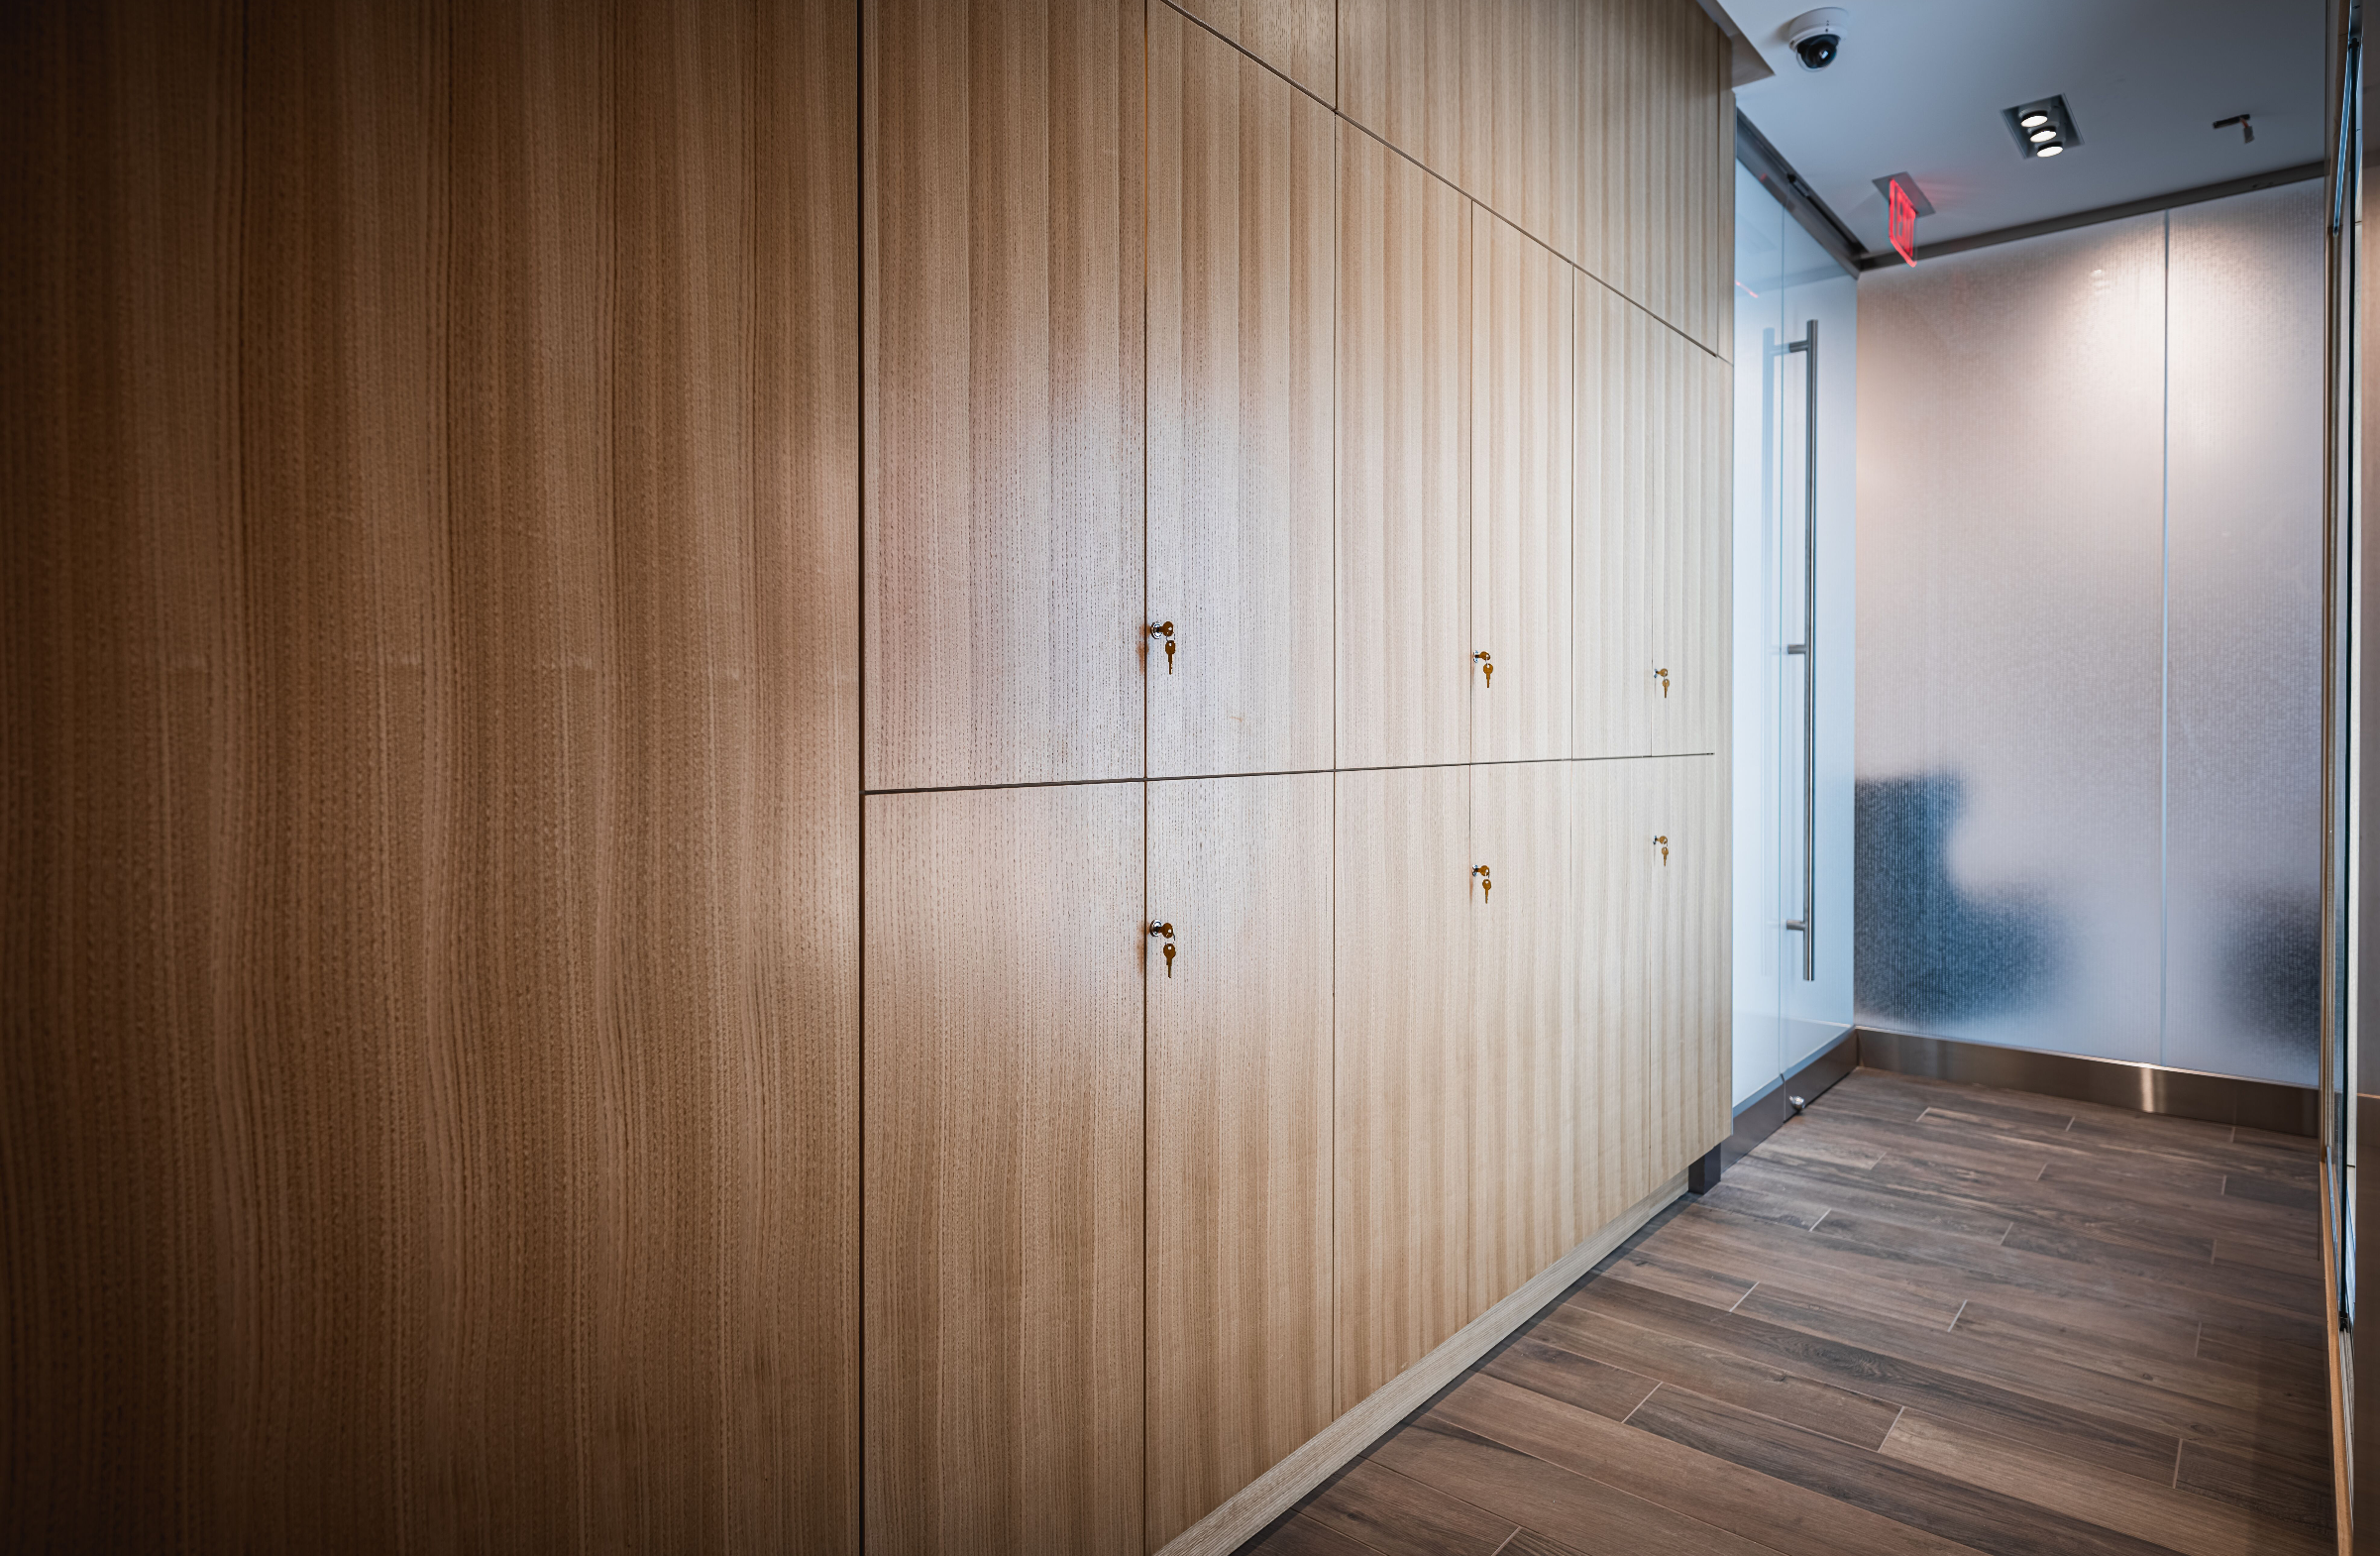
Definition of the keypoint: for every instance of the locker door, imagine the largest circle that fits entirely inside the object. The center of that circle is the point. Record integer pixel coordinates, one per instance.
(1241, 277)
(1521, 509)
(1238, 1135)
(1522, 1032)
(1001, 1220)
(1002, 627)
(1405, 1077)
(1651, 535)
(1690, 959)
(1405, 670)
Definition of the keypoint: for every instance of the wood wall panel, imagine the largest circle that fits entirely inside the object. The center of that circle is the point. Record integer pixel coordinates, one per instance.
(1523, 138)
(1238, 1135)
(1523, 426)
(1653, 465)
(1656, 214)
(1005, 309)
(1243, 272)
(1003, 1202)
(431, 1037)
(1400, 76)
(1405, 1081)
(1522, 1036)
(1298, 37)
(1405, 671)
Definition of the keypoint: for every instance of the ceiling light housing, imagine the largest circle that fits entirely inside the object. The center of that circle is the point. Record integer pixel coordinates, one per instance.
(2043, 128)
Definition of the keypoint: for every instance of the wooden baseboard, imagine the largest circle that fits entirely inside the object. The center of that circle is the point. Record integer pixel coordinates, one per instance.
(1280, 1488)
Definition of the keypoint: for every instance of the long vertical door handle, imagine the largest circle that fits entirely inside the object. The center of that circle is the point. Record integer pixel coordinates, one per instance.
(1808, 649)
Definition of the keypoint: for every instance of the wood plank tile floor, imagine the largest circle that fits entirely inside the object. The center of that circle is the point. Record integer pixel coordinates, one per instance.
(1920, 1318)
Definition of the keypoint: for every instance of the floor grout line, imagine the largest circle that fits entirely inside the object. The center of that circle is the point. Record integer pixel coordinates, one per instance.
(1961, 1313)
(1640, 1405)
(1739, 1301)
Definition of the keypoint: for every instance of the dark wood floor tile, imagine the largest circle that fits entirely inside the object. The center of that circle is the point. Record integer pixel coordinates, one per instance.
(2180, 1520)
(1302, 1537)
(2272, 1191)
(2111, 1442)
(1863, 1143)
(2297, 1256)
(2296, 1145)
(2262, 1353)
(1742, 1193)
(2241, 1282)
(2274, 1484)
(2071, 1206)
(1550, 1501)
(1776, 1513)
(1528, 1543)
(1687, 1360)
(1969, 1514)
(1947, 1093)
(1757, 1252)
(1392, 1514)
(1680, 1277)
(2137, 1177)
(1837, 1190)
(2009, 1123)
(1567, 1376)
(2031, 1371)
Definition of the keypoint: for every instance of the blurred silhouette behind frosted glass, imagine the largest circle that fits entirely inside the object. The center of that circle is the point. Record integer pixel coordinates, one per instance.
(2011, 622)
(2089, 677)
(2244, 769)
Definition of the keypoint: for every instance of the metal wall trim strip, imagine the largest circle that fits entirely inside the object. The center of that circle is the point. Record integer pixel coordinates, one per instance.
(2143, 1088)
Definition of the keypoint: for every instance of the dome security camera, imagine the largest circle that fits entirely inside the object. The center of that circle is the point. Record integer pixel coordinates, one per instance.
(1817, 36)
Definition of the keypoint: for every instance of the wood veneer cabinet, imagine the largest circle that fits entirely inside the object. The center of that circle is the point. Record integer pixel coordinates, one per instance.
(1240, 1126)
(1002, 1217)
(1005, 304)
(1241, 284)
(1651, 536)
(1406, 1079)
(1523, 425)
(1405, 671)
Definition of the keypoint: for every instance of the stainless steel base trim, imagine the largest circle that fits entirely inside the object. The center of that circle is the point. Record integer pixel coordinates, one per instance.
(1766, 1113)
(2143, 1088)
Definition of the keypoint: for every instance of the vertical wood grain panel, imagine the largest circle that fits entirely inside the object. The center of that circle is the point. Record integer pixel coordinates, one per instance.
(1523, 97)
(1686, 606)
(1405, 670)
(433, 1002)
(1522, 1034)
(1687, 1034)
(1619, 990)
(1522, 461)
(1004, 397)
(1241, 449)
(1614, 487)
(1658, 139)
(1239, 1137)
(1405, 1081)
(1003, 1221)
(1298, 37)
(1605, 939)
(1400, 76)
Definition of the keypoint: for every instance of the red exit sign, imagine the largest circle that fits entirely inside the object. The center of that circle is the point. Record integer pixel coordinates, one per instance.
(1901, 222)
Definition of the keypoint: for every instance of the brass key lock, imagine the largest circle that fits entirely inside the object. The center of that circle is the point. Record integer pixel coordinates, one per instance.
(1664, 848)
(1665, 681)
(1164, 629)
(1486, 668)
(1485, 885)
(1164, 931)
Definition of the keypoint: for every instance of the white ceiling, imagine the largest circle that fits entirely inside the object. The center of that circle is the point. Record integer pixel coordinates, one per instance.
(1921, 83)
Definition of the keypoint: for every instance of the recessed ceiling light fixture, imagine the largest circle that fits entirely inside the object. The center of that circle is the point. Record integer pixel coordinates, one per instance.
(2043, 128)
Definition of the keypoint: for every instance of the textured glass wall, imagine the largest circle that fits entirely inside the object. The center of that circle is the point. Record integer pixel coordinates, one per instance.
(2090, 516)
(2244, 773)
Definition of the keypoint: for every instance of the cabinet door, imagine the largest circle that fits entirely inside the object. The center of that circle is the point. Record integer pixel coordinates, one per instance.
(1405, 1076)
(1650, 543)
(1400, 76)
(1003, 517)
(1405, 670)
(1655, 997)
(1522, 1030)
(1298, 37)
(1523, 141)
(1238, 1135)
(1241, 274)
(1521, 345)
(1658, 177)
(1002, 1228)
